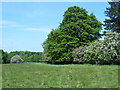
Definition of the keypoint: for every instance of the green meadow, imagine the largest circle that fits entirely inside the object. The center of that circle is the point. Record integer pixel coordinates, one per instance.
(0, 76)
(41, 75)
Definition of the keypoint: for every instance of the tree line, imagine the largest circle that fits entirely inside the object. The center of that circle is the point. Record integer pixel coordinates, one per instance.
(27, 56)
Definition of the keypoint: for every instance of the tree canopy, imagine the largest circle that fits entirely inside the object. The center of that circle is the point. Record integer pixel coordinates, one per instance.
(113, 12)
(76, 29)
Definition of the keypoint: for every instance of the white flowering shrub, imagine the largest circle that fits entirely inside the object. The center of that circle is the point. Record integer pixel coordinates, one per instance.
(78, 54)
(16, 59)
(106, 51)
(45, 57)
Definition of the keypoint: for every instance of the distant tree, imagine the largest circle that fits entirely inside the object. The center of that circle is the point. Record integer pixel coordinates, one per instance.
(113, 12)
(5, 57)
(77, 29)
(1, 61)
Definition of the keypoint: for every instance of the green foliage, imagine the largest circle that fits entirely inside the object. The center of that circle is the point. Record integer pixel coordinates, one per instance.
(113, 12)
(77, 29)
(27, 56)
(1, 57)
(101, 52)
(4, 57)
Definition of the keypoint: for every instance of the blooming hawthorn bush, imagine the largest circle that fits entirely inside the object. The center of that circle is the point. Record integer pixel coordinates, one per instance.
(78, 54)
(105, 51)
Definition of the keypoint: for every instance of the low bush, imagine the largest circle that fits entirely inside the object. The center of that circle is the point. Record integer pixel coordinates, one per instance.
(16, 59)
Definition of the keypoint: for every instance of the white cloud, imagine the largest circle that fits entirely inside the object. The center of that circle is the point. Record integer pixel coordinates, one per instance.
(4, 22)
(7, 23)
(12, 24)
(17, 25)
(41, 29)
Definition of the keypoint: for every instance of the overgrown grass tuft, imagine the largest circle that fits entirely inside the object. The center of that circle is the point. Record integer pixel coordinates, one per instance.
(36, 75)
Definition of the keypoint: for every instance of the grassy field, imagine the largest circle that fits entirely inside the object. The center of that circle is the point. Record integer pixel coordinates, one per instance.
(0, 76)
(37, 75)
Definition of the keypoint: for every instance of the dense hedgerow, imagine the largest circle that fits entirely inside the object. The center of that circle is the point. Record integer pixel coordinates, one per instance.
(106, 51)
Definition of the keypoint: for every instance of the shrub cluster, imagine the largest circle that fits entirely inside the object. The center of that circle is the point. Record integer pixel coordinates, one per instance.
(106, 51)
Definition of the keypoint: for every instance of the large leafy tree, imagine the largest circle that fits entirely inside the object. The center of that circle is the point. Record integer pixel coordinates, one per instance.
(113, 12)
(76, 29)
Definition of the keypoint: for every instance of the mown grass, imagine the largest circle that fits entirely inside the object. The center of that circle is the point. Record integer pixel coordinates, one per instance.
(0, 76)
(37, 75)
